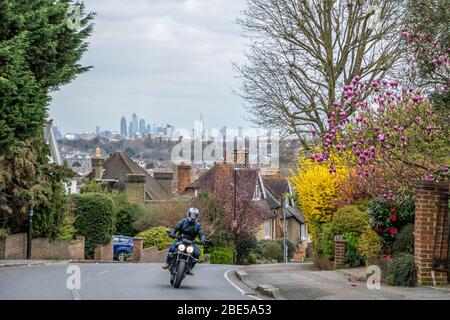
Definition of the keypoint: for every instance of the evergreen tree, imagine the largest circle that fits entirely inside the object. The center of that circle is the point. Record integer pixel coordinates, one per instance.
(40, 51)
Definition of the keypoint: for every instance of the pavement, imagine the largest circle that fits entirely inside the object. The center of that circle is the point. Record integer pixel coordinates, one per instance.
(302, 281)
(117, 281)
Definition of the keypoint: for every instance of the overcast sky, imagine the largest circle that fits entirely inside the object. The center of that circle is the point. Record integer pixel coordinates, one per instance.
(166, 60)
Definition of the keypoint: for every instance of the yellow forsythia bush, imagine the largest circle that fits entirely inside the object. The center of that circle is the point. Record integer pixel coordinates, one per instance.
(317, 188)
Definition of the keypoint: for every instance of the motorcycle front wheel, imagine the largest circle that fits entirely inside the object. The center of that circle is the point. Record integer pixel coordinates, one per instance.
(180, 273)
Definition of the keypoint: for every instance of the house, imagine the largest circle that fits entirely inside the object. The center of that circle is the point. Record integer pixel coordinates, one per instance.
(280, 198)
(261, 190)
(122, 173)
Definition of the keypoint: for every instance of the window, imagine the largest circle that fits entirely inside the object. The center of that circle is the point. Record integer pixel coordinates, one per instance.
(267, 230)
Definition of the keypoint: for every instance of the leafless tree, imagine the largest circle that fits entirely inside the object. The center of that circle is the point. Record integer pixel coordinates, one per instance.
(302, 52)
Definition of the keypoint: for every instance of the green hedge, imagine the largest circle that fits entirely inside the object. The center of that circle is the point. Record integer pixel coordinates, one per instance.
(157, 236)
(402, 271)
(221, 255)
(405, 240)
(95, 218)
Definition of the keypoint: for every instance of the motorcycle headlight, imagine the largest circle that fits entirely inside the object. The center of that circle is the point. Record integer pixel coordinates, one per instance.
(190, 249)
(181, 247)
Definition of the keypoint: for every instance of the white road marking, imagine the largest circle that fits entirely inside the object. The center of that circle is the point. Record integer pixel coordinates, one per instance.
(103, 272)
(239, 289)
(76, 294)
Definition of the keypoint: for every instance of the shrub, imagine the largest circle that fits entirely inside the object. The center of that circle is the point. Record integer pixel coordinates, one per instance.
(252, 258)
(95, 219)
(157, 236)
(352, 256)
(244, 247)
(150, 217)
(369, 244)
(67, 230)
(291, 247)
(221, 255)
(317, 189)
(4, 233)
(402, 271)
(388, 216)
(126, 213)
(272, 251)
(350, 219)
(325, 241)
(405, 240)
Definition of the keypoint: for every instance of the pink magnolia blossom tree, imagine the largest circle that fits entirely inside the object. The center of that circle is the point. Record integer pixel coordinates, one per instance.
(394, 133)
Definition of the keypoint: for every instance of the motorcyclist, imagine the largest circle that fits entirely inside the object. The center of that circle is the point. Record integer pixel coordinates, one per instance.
(188, 228)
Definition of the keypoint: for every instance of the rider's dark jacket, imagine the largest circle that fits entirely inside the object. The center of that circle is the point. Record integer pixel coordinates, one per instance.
(188, 230)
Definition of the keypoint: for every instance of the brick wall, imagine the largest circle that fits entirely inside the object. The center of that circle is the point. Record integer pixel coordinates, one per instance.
(339, 251)
(76, 248)
(183, 177)
(135, 188)
(148, 255)
(428, 201)
(15, 247)
(104, 252)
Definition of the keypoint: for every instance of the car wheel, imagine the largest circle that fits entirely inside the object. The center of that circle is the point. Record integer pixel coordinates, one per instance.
(122, 256)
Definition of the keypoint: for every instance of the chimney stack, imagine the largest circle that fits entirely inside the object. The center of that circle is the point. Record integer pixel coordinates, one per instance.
(97, 164)
(241, 157)
(184, 176)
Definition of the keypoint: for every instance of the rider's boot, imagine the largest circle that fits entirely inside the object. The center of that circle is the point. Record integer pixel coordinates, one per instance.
(165, 266)
(189, 272)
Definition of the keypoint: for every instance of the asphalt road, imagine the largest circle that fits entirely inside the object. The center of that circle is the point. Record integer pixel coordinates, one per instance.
(104, 281)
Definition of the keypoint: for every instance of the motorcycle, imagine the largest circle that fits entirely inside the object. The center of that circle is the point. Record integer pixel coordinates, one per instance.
(182, 258)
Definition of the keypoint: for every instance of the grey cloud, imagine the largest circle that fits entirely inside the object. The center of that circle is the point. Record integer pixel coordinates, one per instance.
(167, 60)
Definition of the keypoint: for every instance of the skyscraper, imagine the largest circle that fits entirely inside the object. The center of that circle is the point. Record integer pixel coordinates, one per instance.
(134, 123)
(97, 131)
(142, 128)
(123, 127)
(130, 130)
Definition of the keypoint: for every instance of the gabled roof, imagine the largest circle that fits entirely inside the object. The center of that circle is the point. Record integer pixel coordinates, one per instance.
(275, 189)
(219, 179)
(119, 164)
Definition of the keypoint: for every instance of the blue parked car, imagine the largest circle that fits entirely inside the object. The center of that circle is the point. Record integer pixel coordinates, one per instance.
(122, 246)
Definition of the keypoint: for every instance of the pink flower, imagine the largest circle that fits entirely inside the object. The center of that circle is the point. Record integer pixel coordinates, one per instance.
(381, 138)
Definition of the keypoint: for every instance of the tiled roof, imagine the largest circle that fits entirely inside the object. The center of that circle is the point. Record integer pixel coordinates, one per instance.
(119, 164)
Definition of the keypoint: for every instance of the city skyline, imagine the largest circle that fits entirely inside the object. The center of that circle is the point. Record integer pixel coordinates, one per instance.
(167, 60)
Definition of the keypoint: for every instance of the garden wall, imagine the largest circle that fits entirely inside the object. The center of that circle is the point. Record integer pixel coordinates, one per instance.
(148, 255)
(429, 201)
(15, 247)
(104, 252)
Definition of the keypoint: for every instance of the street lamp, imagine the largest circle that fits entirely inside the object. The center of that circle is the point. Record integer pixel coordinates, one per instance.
(30, 232)
(283, 208)
(234, 223)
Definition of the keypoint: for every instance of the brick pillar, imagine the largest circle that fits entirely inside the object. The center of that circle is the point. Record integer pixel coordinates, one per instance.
(138, 246)
(427, 203)
(184, 176)
(135, 188)
(339, 251)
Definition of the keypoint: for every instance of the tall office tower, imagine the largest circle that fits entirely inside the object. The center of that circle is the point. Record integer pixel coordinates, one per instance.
(130, 130)
(123, 127)
(240, 132)
(97, 131)
(149, 129)
(134, 123)
(142, 128)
